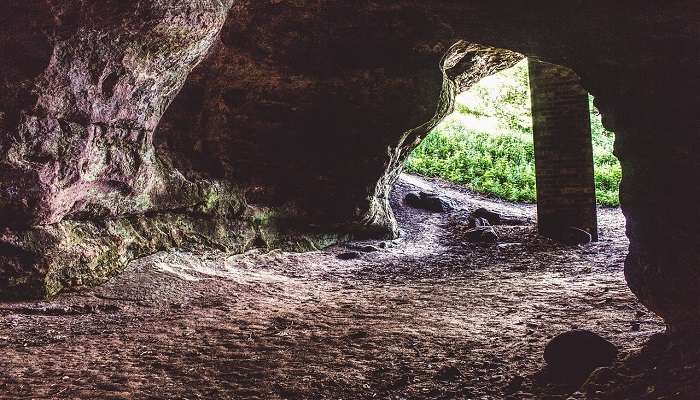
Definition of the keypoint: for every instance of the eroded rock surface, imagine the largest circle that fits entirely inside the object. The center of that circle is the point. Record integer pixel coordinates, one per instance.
(81, 95)
(82, 190)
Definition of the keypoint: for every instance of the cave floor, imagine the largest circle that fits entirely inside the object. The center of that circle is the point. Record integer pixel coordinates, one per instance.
(423, 316)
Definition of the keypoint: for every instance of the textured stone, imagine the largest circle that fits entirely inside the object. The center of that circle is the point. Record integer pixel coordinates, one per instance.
(82, 188)
(76, 135)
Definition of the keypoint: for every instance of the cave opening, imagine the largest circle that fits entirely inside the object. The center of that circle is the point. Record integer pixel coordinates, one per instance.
(488, 145)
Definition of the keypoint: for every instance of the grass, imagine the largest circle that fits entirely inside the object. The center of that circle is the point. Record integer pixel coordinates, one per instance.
(487, 145)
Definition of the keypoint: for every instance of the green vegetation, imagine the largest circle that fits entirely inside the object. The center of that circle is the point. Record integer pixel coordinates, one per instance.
(486, 144)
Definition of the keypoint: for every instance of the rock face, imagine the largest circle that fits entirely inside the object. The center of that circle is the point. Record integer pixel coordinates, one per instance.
(82, 189)
(292, 91)
(81, 93)
(296, 123)
(81, 105)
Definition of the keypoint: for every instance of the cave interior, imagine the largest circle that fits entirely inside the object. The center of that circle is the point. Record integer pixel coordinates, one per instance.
(279, 129)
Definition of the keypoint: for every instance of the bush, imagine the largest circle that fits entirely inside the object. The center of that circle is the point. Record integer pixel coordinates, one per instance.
(503, 165)
(487, 143)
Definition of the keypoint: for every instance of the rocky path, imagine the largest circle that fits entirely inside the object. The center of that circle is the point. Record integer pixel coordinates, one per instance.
(424, 316)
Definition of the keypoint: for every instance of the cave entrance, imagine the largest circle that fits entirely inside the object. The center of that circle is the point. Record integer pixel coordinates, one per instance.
(529, 133)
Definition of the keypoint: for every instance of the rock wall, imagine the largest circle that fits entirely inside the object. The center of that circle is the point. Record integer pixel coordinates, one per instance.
(657, 142)
(295, 125)
(81, 105)
(83, 87)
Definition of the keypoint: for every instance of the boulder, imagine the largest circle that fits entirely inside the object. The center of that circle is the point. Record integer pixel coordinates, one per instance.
(573, 355)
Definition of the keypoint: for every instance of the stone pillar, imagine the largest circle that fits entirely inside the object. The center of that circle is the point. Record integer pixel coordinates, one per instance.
(563, 152)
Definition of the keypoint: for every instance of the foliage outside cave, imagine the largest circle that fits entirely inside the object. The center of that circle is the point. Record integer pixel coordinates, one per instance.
(487, 143)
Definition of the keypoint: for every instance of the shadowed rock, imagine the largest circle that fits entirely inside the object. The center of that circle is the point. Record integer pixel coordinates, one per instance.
(348, 255)
(492, 217)
(485, 234)
(427, 201)
(573, 355)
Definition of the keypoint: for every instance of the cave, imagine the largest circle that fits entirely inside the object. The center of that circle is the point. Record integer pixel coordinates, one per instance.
(204, 199)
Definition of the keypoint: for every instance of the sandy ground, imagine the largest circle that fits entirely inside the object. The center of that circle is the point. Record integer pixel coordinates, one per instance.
(426, 316)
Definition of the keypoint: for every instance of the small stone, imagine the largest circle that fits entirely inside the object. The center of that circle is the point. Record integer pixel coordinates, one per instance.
(427, 201)
(412, 199)
(349, 255)
(573, 355)
(484, 234)
(448, 373)
(489, 236)
(492, 217)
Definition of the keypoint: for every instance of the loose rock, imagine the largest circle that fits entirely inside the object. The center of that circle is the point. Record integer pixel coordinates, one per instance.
(427, 201)
(492, 217)
(349, 255)
(484, 234)
(573, 355)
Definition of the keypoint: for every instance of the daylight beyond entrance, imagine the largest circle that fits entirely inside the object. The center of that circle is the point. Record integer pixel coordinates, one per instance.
(487, 143)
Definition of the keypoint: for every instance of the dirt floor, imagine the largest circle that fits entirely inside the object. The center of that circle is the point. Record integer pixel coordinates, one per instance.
(426, 316)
